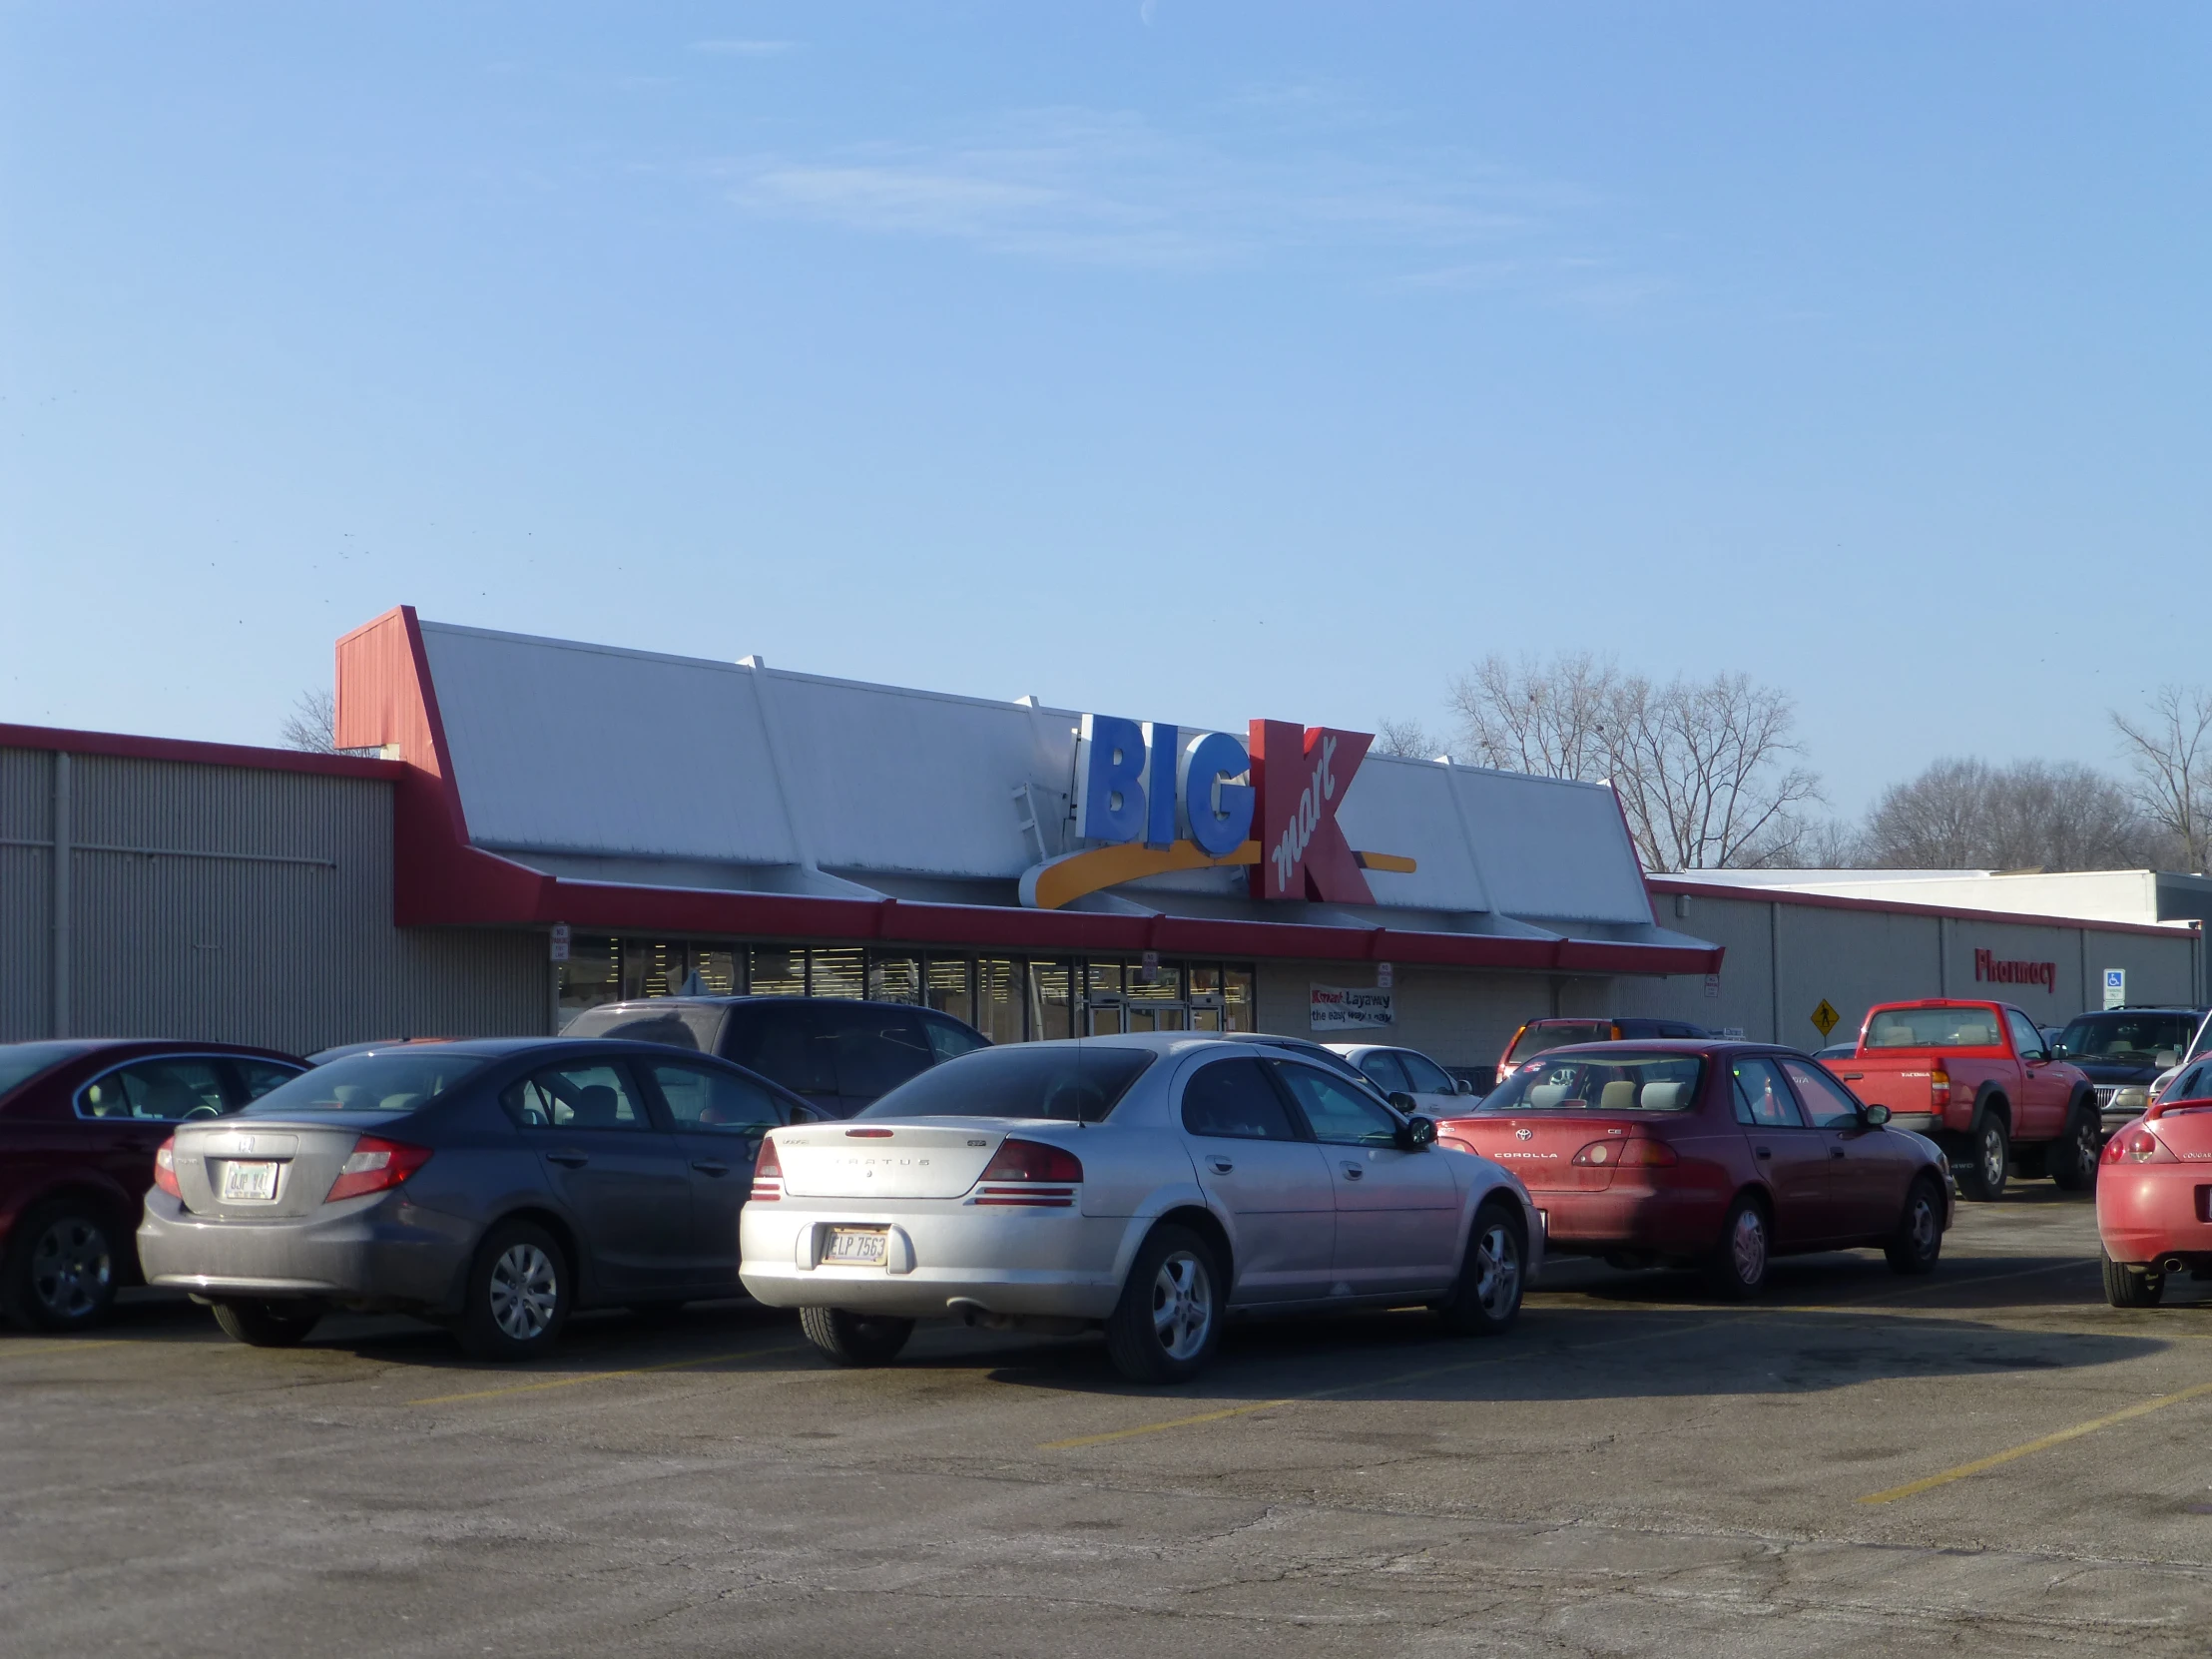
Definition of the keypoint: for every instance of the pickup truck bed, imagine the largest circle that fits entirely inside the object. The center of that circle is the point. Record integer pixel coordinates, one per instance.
(1974, 1078)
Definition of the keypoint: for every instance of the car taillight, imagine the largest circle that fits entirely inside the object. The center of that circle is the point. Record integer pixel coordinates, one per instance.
(2138, 1146)
(1939, 1089)
(1616, 1030)
(1030, 1175)
(1631, 1154)
(373, 1165)
(164, 1169)
(767, 1175)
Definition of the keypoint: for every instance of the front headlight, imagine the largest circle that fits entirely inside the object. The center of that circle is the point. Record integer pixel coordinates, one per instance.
(2132, 1099)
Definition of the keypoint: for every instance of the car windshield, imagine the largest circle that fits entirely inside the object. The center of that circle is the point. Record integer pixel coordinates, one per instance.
(2133, 1038)
(1543, 1035)
(692, 1026)
(20, 1062)
(393, 1081)
(1601, 1083)
(1933, 1028)
(1073, 1082)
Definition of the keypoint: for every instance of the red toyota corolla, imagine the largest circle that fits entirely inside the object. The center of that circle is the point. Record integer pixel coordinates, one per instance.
(2154, 1193)
(1709, 1154)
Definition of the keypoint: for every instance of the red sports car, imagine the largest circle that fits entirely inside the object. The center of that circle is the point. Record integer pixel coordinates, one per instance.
(2154, 1193)
(80, 1123)
(1720, 1155)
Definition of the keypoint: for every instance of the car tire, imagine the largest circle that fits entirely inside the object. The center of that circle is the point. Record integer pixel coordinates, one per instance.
(268, 1324)
(1989, 1161)
(855, 1339)
(1737, 1269)
(2072, 1158)
(60, 1274)
(1919, 1240)
(2126, 1287)
(519, 1294)
(1168, 1322)
(1486, 1298)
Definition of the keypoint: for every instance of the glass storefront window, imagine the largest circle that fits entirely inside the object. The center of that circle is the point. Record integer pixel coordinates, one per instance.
(591, 975)
(947, 989)
(1237, 1009)
(653, 967)
(1205, 980)
(1051, 1000)
(837, 971)
(894, 979)
(1158, 984)
(998, 999)
(774, 971)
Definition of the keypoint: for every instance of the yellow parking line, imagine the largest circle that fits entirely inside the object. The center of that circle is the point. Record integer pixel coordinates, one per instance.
(604, 1376)
(1914, 1488)
(1420, 1375)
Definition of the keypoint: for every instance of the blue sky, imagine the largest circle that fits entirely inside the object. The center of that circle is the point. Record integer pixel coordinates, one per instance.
(1175, 360)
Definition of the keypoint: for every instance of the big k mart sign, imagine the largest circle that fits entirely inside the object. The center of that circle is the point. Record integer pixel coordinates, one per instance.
(1151, 797)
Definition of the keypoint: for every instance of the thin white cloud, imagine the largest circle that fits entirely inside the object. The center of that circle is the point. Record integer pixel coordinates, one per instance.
(744, 48)
(1114, 188)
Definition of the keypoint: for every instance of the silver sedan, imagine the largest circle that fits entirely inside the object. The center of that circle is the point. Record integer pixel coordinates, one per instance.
(1152, 1186)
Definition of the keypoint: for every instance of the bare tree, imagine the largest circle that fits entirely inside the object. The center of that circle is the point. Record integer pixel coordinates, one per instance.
(1407, 737)
(1705, 769)
(313, 723)
(1544, 718)
(1968, 815)
(2168, 752)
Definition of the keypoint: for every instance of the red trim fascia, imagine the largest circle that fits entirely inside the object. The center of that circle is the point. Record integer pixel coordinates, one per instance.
(617, 907)
(1836, 901)
(129, 747)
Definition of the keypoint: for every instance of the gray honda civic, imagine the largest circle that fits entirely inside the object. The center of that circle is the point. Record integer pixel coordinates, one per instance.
(493, 1185)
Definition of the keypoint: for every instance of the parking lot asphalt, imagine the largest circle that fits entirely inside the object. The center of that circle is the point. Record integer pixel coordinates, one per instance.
(1989, 1458)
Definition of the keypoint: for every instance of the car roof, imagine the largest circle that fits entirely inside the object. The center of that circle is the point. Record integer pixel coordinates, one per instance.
(1665, 1045)
(734, 1000)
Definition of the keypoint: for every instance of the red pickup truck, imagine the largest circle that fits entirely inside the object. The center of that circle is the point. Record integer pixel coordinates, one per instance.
(1975, 1078)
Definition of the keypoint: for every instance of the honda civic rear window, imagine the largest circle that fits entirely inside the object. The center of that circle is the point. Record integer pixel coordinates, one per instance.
(1595, 1083)
(1072, 1082)
(387, 1082)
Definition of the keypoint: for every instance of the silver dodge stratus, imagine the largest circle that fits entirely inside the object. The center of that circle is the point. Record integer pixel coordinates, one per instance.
(1148, 1184)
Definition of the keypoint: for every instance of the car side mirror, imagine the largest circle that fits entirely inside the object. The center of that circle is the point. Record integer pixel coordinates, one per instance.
(1417, 1131)
(1874, 1116)
(1464, 1087)
(2166, 1059)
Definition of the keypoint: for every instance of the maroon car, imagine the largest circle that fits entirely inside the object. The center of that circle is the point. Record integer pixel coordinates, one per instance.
(80, 1123)
(1711, 1154)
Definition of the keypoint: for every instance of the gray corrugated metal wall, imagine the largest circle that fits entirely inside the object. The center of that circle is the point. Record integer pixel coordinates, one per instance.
(283, 936)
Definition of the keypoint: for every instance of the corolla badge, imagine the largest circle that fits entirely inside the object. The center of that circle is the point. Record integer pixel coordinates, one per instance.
(1525, 1133)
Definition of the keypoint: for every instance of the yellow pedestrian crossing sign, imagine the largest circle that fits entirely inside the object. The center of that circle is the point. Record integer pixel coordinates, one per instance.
(1825, 1017)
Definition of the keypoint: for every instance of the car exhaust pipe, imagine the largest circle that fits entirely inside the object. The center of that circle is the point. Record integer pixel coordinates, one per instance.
(2172, 1264)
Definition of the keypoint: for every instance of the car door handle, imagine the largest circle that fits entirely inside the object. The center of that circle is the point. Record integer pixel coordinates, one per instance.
(568, 1159)
(1834, 1151)
(1764, 1151)
(707, 1166)
(1352, 1172)
(1221, 1166)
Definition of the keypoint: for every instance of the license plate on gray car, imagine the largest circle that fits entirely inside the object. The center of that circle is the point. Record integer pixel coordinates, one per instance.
(857, 1246)
(247, 1182)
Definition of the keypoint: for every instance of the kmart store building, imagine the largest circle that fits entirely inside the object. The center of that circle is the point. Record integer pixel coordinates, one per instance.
(550, 825)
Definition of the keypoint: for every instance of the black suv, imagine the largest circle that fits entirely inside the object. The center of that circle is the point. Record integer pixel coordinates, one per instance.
(2123, 1050)
(834, 1054)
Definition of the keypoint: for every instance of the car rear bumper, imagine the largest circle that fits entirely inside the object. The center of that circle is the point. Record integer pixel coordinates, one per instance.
(387, 1254)
(1014, 1262)
(1667, 1222)
(2147, 1213)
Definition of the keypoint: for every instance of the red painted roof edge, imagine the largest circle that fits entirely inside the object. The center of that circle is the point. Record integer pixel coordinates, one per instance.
(130, 746)
(1836, 902)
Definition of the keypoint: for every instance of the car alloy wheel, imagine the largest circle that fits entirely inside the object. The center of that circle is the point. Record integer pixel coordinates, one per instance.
(1992, 1154)
(1498, 1270)
(1747, 1245)
(525, 1292)
(72, 1270)
(1181, 1306)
